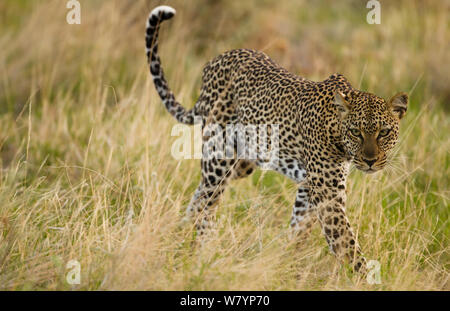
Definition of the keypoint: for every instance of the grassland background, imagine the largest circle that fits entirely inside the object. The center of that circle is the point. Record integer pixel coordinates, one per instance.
(87, 173)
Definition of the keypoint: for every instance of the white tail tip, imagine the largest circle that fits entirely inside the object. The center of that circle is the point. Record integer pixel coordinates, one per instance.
(163, 8)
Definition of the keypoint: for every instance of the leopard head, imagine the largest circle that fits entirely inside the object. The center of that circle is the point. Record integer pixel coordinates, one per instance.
(369, 126)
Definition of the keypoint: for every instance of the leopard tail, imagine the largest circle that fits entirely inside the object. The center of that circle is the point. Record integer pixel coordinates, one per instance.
(158, 15)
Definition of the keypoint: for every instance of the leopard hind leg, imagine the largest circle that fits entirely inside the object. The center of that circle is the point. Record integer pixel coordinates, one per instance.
(215, 176)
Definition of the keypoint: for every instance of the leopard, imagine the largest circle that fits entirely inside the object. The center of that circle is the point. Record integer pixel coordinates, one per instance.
(322, 129)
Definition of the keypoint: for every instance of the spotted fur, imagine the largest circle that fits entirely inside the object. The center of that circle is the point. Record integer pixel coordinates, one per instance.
(323, 128)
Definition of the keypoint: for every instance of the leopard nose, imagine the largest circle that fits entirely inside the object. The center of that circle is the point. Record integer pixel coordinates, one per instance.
(370, 162)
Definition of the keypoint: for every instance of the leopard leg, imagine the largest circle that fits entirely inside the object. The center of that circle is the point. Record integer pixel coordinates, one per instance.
(327, 195)
(201, 209)
(216, 171)
(303, 215)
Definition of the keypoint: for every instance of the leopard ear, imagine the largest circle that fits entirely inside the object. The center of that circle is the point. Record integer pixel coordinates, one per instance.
(398, 104)
(341, 103)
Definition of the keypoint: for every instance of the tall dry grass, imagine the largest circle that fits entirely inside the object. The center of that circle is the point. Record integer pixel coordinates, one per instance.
(87, 172)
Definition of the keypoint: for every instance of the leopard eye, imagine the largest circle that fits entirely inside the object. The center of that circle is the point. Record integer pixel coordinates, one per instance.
(383, 132)
(355, 132)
